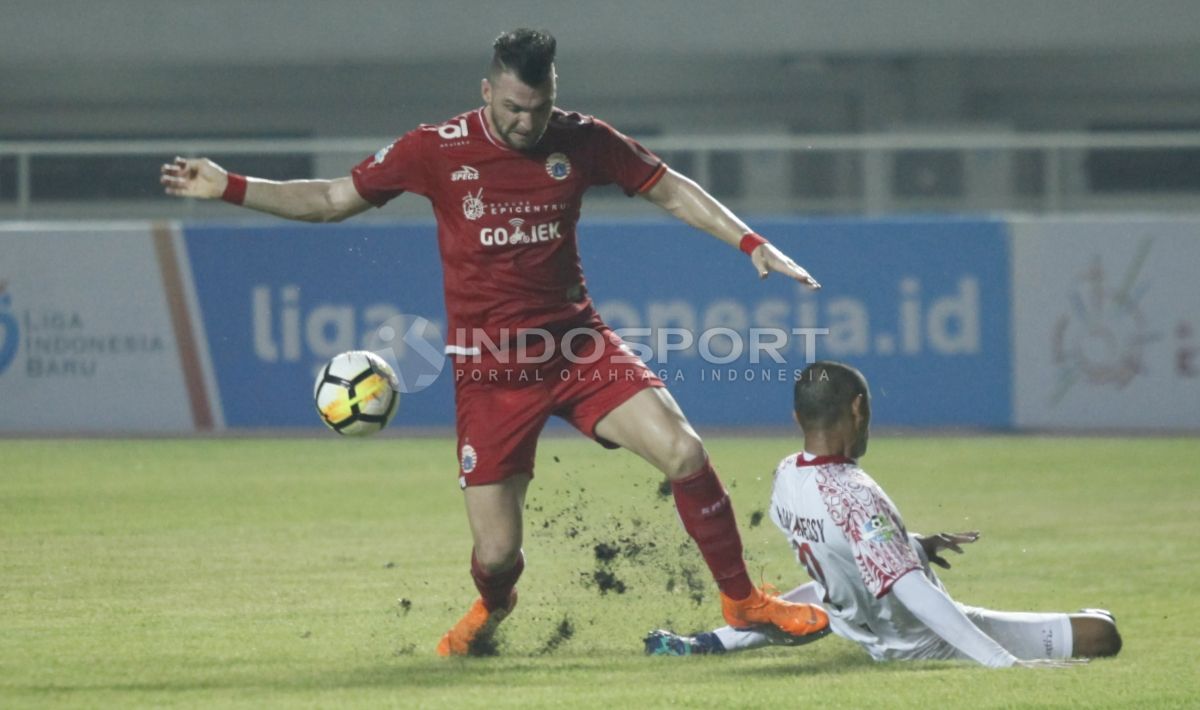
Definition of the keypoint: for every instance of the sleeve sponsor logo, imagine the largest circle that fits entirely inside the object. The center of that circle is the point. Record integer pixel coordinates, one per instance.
(451, 131)
(877, 528)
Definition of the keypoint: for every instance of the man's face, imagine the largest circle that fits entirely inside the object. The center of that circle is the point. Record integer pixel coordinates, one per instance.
(519, 112)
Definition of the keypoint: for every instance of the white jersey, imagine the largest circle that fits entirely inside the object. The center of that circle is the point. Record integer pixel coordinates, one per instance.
(850, 538)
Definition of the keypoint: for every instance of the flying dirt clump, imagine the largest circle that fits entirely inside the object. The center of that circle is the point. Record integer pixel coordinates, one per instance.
(562, 633)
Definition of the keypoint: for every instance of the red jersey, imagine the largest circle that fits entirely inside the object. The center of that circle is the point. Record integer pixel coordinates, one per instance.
(506, 218)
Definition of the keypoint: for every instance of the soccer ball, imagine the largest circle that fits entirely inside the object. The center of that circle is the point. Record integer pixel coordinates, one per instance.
(356, 393)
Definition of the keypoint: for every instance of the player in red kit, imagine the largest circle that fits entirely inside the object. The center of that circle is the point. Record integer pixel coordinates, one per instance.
(506, 182)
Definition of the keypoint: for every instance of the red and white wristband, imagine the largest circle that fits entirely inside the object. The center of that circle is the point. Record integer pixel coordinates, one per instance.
(235, 189)
(750, 242)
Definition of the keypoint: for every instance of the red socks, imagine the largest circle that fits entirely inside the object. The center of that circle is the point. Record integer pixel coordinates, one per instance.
(707, 515)
(495, 587)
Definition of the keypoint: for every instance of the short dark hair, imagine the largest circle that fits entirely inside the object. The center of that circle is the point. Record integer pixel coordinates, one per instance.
(824, 392)
(527, 53)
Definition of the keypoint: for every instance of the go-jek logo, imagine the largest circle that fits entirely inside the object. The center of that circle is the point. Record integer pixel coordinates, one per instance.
(500, 236)
(9, 336)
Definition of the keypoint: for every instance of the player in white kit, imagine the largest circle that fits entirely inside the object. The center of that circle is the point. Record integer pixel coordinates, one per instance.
(872, 577)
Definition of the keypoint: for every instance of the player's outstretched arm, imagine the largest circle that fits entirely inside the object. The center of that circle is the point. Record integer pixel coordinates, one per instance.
(686, 200)
(306, 200)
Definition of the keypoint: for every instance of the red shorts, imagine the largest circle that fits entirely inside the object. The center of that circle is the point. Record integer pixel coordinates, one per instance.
(502, 402)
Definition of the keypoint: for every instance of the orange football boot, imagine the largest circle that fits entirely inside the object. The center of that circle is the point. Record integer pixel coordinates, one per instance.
(475, 629)
(798, 620)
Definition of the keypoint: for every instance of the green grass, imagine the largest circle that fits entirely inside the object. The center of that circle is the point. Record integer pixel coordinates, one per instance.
(251, 573)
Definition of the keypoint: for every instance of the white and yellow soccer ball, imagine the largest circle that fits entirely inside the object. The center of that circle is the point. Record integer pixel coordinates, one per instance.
(356, 393)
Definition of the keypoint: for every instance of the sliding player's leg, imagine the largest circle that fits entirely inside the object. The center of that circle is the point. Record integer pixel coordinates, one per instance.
(1031, 635)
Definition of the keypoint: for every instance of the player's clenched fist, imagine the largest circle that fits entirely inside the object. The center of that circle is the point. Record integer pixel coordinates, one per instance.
(194, 178)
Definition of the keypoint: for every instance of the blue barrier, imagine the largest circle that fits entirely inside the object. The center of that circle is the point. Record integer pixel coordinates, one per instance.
(922, 306)
(279, 301)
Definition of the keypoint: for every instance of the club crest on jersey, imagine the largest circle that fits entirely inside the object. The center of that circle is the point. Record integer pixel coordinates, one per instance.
(379, 157)
(473, 205)
(466, 172)
(557, 166)
(468, 458)
(877, 528)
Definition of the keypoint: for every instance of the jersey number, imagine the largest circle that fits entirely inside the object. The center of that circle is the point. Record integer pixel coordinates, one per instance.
(805, 554)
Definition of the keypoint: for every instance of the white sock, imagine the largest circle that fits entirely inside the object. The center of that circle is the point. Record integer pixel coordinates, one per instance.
(741, 639)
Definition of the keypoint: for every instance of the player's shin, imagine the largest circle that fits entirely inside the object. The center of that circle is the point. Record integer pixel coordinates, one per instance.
(707, 515)
(731, 639)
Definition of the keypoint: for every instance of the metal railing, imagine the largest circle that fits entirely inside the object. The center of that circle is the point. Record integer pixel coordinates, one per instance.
(964, 171)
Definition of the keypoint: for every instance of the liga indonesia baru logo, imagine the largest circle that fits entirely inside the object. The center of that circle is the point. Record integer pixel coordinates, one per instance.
(9, 335)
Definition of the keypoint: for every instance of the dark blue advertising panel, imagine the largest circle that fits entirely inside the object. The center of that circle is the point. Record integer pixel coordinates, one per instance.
(922, 306)
(278, 302)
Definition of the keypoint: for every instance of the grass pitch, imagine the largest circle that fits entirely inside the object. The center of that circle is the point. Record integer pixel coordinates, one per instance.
(321, 573)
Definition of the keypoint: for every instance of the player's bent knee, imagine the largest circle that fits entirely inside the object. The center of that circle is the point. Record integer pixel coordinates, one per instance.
(493, 559)
(1095, 636)
(684, 455)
